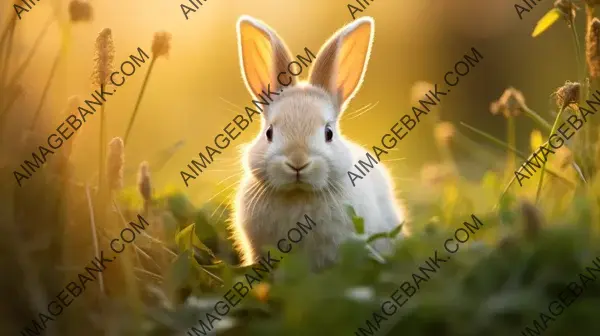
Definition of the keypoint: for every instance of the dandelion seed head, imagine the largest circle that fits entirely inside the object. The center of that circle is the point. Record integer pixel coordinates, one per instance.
(161, 44)
(80, 11)
(568, 94)
(510, 104)
(104, 57)
(114, 164)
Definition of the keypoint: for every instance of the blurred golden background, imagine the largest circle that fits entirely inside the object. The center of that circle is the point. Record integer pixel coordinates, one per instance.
(187, 95)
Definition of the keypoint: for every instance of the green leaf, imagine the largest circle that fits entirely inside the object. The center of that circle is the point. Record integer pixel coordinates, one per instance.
(396, 230)
(546, 21)
(359, 224)
(182, 238)
(180, 269)
(180, 206)
(203, 229)
(377, 236)
(350, 211)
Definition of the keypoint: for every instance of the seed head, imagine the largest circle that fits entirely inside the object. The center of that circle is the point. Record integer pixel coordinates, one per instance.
(592, 47)
(114, 164)
(104, 58)
(161, 44)
(144, 183)
(80, 11)
(510, 104)
(567, 8)
(568, 94)
(444, 132)
(418, 91)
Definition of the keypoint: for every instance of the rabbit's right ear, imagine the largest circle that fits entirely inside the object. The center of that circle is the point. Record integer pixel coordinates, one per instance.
(342, 62)
(263, 55)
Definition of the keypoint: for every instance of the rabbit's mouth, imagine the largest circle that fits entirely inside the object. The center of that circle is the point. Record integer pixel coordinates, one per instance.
(297, 185)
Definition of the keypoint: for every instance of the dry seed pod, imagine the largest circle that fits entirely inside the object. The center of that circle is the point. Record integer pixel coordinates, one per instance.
(510, 104)
(592, 48)
(104, 57)
(568, 8)
(114, 164)
(80, 11)
(161, 44)
(568, 94)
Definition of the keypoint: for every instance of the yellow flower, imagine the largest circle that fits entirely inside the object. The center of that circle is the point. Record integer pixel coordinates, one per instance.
(535, 140)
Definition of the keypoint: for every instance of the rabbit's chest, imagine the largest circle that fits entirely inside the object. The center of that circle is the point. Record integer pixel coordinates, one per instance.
(313, 227)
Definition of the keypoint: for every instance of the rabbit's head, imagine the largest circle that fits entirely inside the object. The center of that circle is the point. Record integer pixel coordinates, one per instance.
(300, 146)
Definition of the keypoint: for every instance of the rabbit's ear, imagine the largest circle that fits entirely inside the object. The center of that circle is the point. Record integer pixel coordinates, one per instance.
(263, 55)
(342, 61)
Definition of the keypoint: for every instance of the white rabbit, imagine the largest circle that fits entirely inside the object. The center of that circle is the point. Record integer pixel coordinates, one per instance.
(298, 163)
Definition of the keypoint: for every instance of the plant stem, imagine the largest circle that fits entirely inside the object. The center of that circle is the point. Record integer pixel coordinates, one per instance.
(537, 118)
(519, 154)
(137, 104)
(580, 64)
(511, 137)
(539, 187)
(581, 71)
(36, 114)
(36, 43)
(10, 32)
(102, 152)
(94, 236)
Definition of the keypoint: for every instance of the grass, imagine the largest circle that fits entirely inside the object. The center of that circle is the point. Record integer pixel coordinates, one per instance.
(183, 263)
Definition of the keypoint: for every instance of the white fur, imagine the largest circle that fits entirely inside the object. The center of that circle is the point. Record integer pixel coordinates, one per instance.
(269, 202)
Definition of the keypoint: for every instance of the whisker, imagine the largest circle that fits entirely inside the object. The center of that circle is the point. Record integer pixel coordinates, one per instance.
(230, 103)
(224, 208)
(254, 200)
(220, 192)
(230, 176)
(358, 111)
(392, 160)
(225, 200)
(365, 111)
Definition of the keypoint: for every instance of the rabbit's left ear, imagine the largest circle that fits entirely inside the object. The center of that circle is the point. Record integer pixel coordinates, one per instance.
(342, 62)
(263, 55)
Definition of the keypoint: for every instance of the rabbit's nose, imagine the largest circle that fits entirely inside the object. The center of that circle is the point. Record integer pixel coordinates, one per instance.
(297, 169)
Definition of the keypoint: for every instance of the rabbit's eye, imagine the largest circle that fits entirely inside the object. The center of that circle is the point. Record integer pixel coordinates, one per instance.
(270, 133)
(328, 133)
